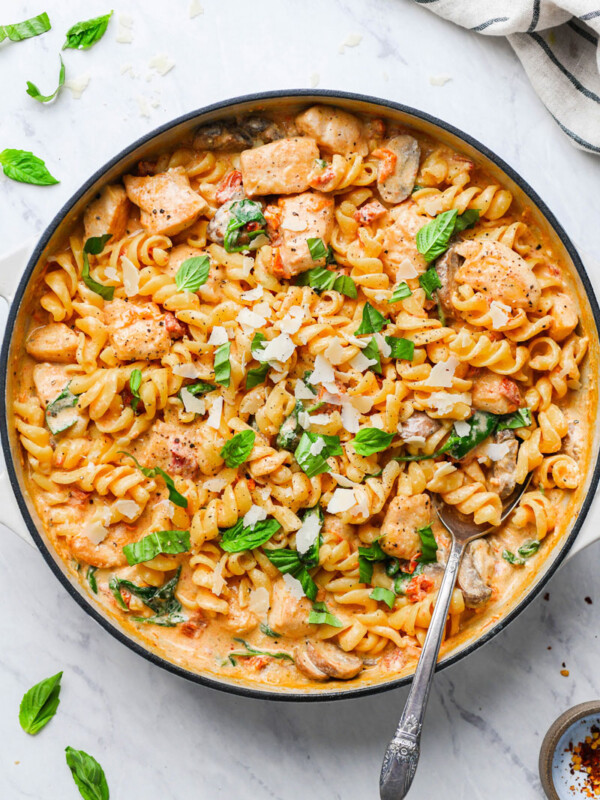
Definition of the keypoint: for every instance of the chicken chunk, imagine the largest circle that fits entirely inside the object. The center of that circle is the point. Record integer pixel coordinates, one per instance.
(499, 273)
(419, 424)
(108, 554)
(323, 660)
(49, 381)
(335, 131)
(502, 480)
(108, 213)
(167, 201)
(172, 447)
(306, 216)
(210, 291)
(289, 614)
(399, 239)
(136, 332)
(495, 393)
(398, 167)
(574, 442)
(565, 317)
(53, 342)
(281, 167)
(404, 517)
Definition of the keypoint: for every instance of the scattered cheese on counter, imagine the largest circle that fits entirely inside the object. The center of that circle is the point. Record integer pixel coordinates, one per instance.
(352, 40)
(218, 336)
(439, 80)
(314, 80)
(191, 403)
(162, 63)
(253, 515)
(214, 418)
(124, 30)
(195, 9)
(308, 533)
(78, 85)
(144, 108)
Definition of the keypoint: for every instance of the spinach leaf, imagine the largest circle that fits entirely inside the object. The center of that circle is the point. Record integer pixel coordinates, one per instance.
(135, 381)
(428, 545)
(33, 91)
(170, 542)
(372, 321)
(56, 419)
(160, 599)
(430, 281)
(289, 562)
(257, 375)
(39, 704)
(401, 292)
(371, 351)
(88, 775)
(371, 440)
(321, 616)
(401, 348)
(366, 557)
(317, 249)
(242, 213)
(192, 274)
(26, 29)
(519, 419)
(523, 553)
(290, 432)
(385, 595)
(152, 472)
(91, 578)
(311, 464)
(238, 448)
(83, 35)
(23, 166)
(95, 245)
(222, 364)
(253, 651)
(264, 628)
(239, 538)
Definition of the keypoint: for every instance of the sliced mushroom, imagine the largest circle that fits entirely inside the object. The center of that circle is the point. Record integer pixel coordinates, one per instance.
(237, 135)
(574, 440)
(322, 660)
(446, 267)
(398, 168)
(475, 590)
(419, 424)
(502, 480)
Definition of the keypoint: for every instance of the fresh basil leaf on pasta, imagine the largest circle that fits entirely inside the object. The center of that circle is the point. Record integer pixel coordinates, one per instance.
(222, 364)
(258, 342)
(372, 321)
(371, 351)
(371, 440)
(314, 464)
(59, 413)
(430, 281)
(384, 595)
(520, 419)
(308, 385)
(88, 775)
(152, 545)
(290, 431)
(253, 651)
(91, 579)
(23, 166)
(238, 448)
(433, 238)
(401, 292)
(94, 246)
(321, 616)
(39, 704)
(135, 381)
(467, 219)
(317, 249)
(238, 538)
(200, 388)
(288, 563)
(401, 348)
(33, 91)
(322, 279)
(428, 545)
(366, 557)
(160, 599)
(192, 274)
(113, 585)
(244, 213)
(257, 375)
(152, 472)
(524, 552)
(346, 286)
(83, 35)
(268, 631)
(19, 31)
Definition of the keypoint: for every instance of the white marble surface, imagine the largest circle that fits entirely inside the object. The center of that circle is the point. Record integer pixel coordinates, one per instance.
(157, 735)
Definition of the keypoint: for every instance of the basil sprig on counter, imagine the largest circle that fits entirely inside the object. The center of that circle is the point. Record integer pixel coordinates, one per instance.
(19, 31)
(152, 545)
(24, 167)
(135, 381)
(321, 616)
(322, 279)
(311, 464)
(222, 364)
(433, 239)
(401, 292)
(88, 775)
(371, 440)
(94, 246)
(39, 704)
(385, 595)
(243, 212)
(83, 35)
(239, 538)
(289, 562)
(238, 448)
(33, 91)
(253, 651)
(160, 599)
(56, 419)
(152, 472)
(372, 321)
(523, 553)
(192, 274)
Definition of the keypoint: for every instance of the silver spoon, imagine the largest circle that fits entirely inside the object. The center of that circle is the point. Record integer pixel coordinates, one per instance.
(402, 754)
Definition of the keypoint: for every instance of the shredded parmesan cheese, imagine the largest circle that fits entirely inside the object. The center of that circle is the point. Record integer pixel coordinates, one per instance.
(281, 348)
(218, 336)
(253, 515)
(191, 403)
(444, 402)
(131, 277)
(341, 500)
(439, 80)
(195, 9)
(302, 392)
(251, 318)
(214, 418)
(308, 532)
(316, 447)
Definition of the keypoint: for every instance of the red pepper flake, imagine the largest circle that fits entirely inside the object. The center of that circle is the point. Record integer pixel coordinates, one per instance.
(585, 760)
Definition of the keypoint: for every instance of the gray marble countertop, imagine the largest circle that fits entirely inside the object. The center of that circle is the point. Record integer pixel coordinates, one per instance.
(158, 736)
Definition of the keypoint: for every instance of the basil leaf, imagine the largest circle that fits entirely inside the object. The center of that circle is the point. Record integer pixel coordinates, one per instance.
(321, 616)
(264, 628)
(428, 545)
(308, 385)
(33, 91)
(288, 562)
(317, 249)
(433, 238)
(26, 29)
(23, 166)
(199, 388)
(401, 292)
(366, 557)
(524, 552)
(253, 651)
(246, 211)
(430, 281)
(372, 351)
(113, 585)
(88, 775)
(160, 599)
(346, 286)
(152, 472)
(319, 278)
(385, 595)
(192, 274)
(39, 704)
(520, 419)
(95, 245)
(257, 375)
(401, 348)
(310, 559)
(83, 35)
(91, 579)
(222, 364)
(290, 432)
(56, 419)
(243, 212)
(152, 545)
(467, 219)
(135, 381)
(371, 440)
(372, 321)
(483, 424)
(238, 538)
(258, 343)
(238, 449)
(315, 465)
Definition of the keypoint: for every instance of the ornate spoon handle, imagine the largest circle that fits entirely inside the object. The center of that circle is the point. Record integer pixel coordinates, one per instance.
(402, 754)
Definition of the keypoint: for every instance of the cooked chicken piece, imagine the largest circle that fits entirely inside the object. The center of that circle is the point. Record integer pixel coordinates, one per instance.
(49, 381)
(174, 448)
(239, 620)
(289, 614)
(404, 517)
(495, 393)
(398, 167)
(109, 553)
(167, 201)
(53, 342)
(335, 131)
(236, 136)
(210, 291)
(473, 572)
(499, 273)
(573, 443)
(565, 317)
(282, 167)
(136, 332)
(399, 239)
(419, 424)
(108, 213)
(306, 216)
(502, 480)
(341, 530)
(446, 267)
(322, 660)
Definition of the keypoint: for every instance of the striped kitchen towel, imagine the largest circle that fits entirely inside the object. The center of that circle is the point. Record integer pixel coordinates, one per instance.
(557, 43)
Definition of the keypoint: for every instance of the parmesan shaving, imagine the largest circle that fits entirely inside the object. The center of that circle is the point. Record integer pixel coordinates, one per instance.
(111, 273)
(293, 586)
(195, 9)
(352, 40)
(214, 418)
(259, 602)
(218, 336)
(293, 222)
(462, 428)
(405, 271)
(215, 484)
(322, 373)
(304, 420)
(495, 451)
(191, 403)
(293, 320)
(383, 346)
(302, 392)
(162, 63)
(168, 506)
(252, 294)
(308, 533)
(342, 480)
(143, 106)
(320, 419)
(251, 318)
(341, 500)
(350, 418)
(131, 277)
(439, 80)
(281, 348)
(253, 515)
(335, 353)
(95, 532)
(442, 373)
(218, 579)
(78, 85)
(185, 371)
(128, 508)
(264, 309)
(314, 80)
(444, 402)
(500, 314)
(124, 30)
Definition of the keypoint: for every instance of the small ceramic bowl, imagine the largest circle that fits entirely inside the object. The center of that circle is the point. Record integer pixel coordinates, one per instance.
(555, 762)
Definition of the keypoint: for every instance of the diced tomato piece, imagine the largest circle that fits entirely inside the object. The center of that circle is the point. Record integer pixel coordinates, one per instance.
(369, 212)
(389, 158)
(229, 186)
(175, 329)
(418, 587)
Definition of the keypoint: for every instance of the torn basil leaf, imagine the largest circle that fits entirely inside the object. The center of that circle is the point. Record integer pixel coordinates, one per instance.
(401, 292)
(24, 167)
(321, 616)
(433, 239)
(94, 246)
(371, 440)
(371, 351)
(290, 432)
(160, 599)
(199, 388)
(222, 364)
(238, 449)
(83, 35)
(239, 538)
(39, 704)
(519, 419)
(428, 545)
(317, 249)
(288, 562)
(257, 375)
(384, 595)
(91, 578)
(33, 91)
(430, 281)
(152, 472)
(61, 413)
(192, 274)
(152, 545)
(524, 552)
(88, 775)
(244, 212)
(366, 557)
(401, 348)
(322, 279)
(19, 31)
(312, 464)
(372, 321)
(253, 651)
(135, 381)
(467, 219)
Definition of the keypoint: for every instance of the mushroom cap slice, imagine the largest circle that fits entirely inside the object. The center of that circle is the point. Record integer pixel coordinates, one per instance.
(398, 185)
(322, 660)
